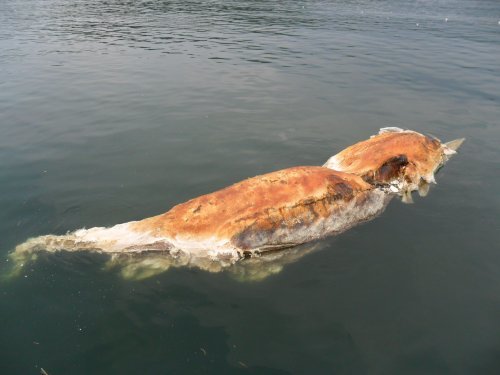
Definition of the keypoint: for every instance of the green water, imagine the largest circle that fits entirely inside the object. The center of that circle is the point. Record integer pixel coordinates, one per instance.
(112, 111)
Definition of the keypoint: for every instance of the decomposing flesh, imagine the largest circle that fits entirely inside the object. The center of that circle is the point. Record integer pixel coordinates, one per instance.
(273, 211)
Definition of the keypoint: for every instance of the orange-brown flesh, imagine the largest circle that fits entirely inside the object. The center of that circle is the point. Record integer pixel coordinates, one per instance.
(423, 155)
(285, 198)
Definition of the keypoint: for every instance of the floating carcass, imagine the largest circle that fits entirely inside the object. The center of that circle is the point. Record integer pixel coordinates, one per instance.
(267, 213)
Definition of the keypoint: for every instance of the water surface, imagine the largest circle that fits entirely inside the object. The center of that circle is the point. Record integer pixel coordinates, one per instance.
(115, 110)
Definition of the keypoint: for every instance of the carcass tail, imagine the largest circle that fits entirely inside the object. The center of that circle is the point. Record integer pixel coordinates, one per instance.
(53, 243)
(118, 239)
(28, 250)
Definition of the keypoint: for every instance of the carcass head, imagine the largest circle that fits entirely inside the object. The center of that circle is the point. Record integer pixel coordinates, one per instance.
(397, 160)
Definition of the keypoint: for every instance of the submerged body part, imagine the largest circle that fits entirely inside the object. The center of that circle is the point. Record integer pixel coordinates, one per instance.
(270, 212)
